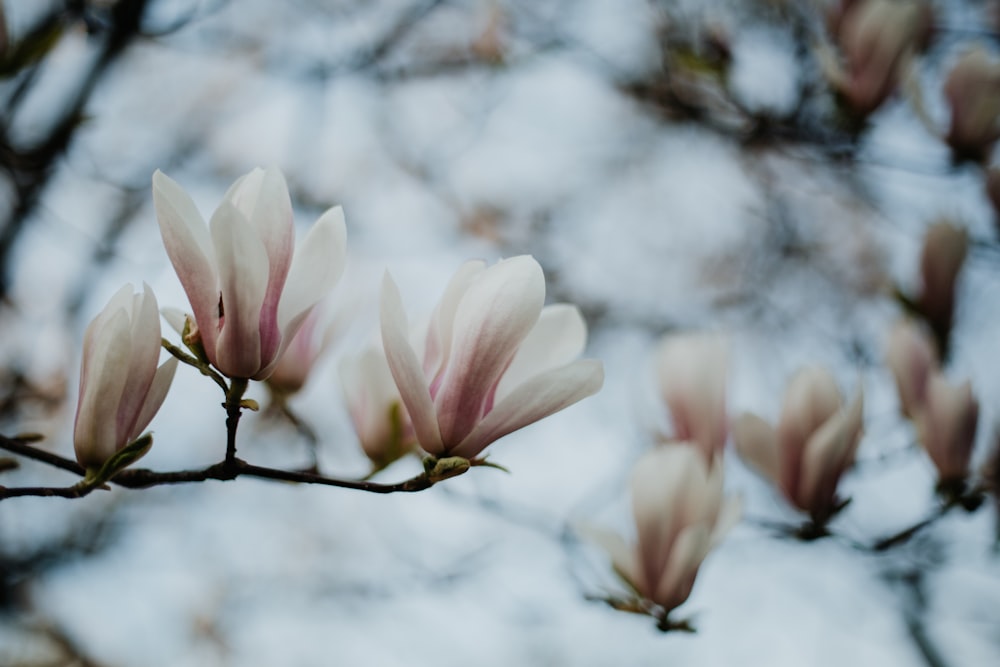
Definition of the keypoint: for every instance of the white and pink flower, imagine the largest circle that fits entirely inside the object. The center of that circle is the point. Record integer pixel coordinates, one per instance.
(494, 360)
(121, 387)
(250, 290)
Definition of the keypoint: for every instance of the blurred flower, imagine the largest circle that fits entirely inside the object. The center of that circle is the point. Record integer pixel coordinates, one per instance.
(692, 377)
(942, 257)
(993, 190)
(947, 427)
(945, 415)
(680, 515)
(878, 39)
(120, 386)
(494, 360)
(377, 412)
(296, 362)
(972, 90)
(813, 445)
(248, 290)
(912, 359)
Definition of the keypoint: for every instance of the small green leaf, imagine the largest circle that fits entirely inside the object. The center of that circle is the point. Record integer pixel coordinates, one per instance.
(123, 458)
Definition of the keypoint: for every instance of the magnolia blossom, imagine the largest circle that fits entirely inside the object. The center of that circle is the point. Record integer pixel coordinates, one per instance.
(680, 514)
(813, 445)
(972, 90)
(297, 361)
(947, 427)
(494, 360)
(249, 291)
(377, 412)
(945, 415)
(878, 39)
(121, 387)
(692, 376)
(942, 257)
(912, 359)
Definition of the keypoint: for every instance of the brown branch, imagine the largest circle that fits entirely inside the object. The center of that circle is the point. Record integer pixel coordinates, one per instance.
(435, 470)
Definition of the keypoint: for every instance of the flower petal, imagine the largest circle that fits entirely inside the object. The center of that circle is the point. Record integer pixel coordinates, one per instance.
(189, 247)
(557, 338)
(677, 578)
(154, 397)
(242, 263)
(622, 554)
(105, 370)
(827, 454)
(692, 375)
(145, 337)
(811, 399)
(539, 397)
(406, 370)
(492, 319)
(317, 266)
(757, 443)
(440, 330)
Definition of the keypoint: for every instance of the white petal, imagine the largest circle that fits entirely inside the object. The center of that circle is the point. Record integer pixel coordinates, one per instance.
(622, 554)
(145, 336)
(676, 580)
(557, 338)
(105, 371)
(189, 247)
(318, 264)
(440, 329)
(827, 454)
(406, 370)
(155, 396)
(539, 397)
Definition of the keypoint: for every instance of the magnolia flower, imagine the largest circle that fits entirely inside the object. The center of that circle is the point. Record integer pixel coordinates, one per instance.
(297, 361)
(912, 359)
(494, 360)
(692, 375)
(945, 415)
(947, 427)
(377, 412)
(972, 90)
(249, 291)
(877, 38)
(942, 257)
(680, 515)
(120, 386)
(814, 443)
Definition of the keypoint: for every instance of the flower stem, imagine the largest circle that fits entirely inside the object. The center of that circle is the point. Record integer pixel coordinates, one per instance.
(234, 409)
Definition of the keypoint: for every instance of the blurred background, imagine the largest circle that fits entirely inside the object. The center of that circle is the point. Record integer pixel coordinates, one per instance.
(673, 164)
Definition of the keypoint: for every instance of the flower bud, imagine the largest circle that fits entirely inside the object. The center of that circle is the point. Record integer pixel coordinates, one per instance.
(972, 90)
(692, 375)
(912, 359)
(947, 427)
(942, 257)
(878, 39)
(121, 387)
(297, 361)
(680, 514)
(813, 445)
(376, 408)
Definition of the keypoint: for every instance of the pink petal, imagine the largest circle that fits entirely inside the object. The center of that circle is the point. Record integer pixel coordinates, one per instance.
(557, 338)
(692, 374)
(539, 397)
(492, 319)
(189, 247)
(811, 399)
(911, 358)
(243, 264)
(677, 579)
(406, 370)
(827, 454)
(145, 337)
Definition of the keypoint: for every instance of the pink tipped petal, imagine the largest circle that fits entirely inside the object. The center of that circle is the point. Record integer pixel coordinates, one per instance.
(437, 344)
(677, 578)
(189, 247)
(494, 316)
(95, 431)
(692, 374)
(828, 453)
(911, 358)
(154, 397)
(948, 427)
(145, 337)
(317, 266)
(811, 399)
(406, 370)
(557, 338)
(242, 263)
(757, 444)
(543, 395)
